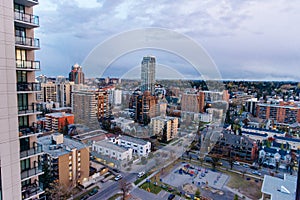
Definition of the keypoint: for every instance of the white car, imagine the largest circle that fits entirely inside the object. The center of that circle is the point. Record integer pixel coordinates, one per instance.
(236, 163)
(118, 177)
(140, 174)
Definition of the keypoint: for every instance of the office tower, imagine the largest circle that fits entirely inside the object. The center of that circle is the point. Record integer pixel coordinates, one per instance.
(19, 151)
(89, 106)
(148, 74)
(76, 75)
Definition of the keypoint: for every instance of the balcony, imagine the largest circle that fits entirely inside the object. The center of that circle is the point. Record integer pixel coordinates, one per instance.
(26, 20)
(28, 87)
(32, 152)
(27, 43)
(28, 65)
(29, 173)
(31, 191)
(27, 3)
(33, 109)
(29, 131)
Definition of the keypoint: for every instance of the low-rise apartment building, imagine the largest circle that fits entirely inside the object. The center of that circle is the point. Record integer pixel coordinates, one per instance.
(139, 146)
(68, 160)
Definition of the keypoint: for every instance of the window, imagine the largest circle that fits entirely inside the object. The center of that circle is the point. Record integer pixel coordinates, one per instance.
(21, 32)
(21, 76)
(24, 144)
(23, 102)
(25, 164)
(23, 121)
(20, 54)
(19, 8)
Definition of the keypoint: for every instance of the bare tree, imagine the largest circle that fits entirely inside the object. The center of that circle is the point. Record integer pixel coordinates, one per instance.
(58, 191)
(124, 187)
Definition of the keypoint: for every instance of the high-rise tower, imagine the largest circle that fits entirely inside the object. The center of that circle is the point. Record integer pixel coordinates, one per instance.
(76, 75)
(148, 74)
(19, 151)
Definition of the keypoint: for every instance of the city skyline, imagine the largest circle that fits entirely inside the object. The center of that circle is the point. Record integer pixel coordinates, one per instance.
(245, 39)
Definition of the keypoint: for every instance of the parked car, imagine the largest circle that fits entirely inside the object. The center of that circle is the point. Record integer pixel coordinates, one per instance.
(256, 173)
(118, 177)
(140, 174)
(93, 192)
(245, 165)
(236, 163)
(171, 196)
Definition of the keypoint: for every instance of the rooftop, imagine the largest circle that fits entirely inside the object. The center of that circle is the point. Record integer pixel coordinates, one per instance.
(59, 114)
(112, 146)
(133, 140)
(280, 188)
(60, 149)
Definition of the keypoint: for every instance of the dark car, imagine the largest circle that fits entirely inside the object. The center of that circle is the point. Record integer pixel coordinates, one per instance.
(171, 196)
(93, 192)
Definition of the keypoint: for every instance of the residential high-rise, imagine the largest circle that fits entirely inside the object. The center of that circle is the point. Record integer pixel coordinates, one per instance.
(148, 74)
(76, 75)
(89, 105)
(144, 107)
(19, 150)
(166, 128)
(28, 109)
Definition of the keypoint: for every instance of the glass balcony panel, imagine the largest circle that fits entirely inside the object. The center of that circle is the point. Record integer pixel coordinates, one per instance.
(32, 151)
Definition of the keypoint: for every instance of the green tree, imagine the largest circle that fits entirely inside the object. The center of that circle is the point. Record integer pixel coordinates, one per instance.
(214, 162)
(46, 178)
(197, 193)
(236, 197)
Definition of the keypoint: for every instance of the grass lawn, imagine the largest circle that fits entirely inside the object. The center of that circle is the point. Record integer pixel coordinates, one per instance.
(150, 187)
(250, 188)
(141, 178)
(85, 193)
(115, 196)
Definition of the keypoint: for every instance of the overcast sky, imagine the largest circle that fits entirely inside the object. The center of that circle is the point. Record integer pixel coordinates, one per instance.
(257, 40)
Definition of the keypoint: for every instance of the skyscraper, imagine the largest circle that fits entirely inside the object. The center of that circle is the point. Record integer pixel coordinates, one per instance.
(148, 74)
(76, 75)
(19, 151)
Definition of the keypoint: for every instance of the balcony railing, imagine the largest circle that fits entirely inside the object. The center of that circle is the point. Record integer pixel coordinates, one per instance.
(29, 42)
(23, 87)
(31, 172)
(30, 130)
(33, 151)
(27, 18)
(30, 109)
(28, 64)
(30, 191)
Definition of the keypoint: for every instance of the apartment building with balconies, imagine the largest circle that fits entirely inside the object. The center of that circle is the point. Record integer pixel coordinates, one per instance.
(19, 151)
(25, 23)
(68, 160)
